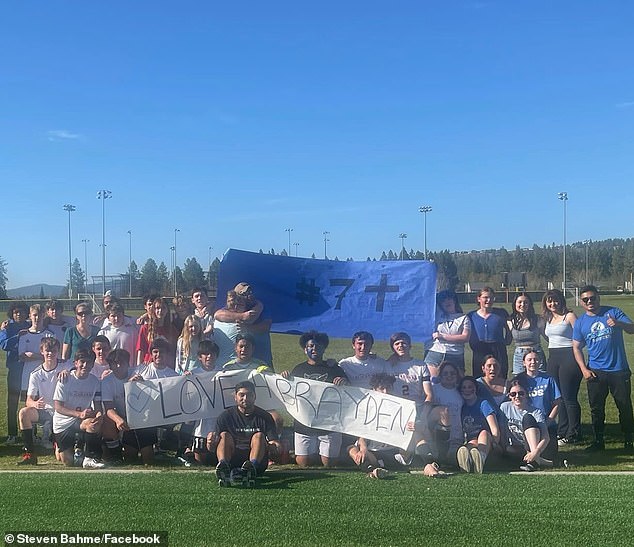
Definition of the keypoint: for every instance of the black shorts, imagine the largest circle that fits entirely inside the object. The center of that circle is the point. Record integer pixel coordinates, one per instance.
(44, 416)
(140, 438)
(66, 439)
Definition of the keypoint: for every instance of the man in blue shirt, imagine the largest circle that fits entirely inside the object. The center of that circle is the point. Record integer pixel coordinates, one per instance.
(600, 330)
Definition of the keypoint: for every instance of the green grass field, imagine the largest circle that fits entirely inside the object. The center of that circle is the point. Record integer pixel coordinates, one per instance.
(335, 507)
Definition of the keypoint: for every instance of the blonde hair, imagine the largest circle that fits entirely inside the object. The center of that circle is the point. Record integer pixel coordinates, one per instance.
(186, 335)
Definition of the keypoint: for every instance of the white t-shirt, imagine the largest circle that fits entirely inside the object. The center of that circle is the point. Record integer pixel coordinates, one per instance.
(150, 372)
(123, 337)
(76, 394)
(455, 323)
(113, 391)
(359, 371)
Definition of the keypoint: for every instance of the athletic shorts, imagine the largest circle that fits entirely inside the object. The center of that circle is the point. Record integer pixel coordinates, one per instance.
(44, 415)
(66, 439)
(139, 438)
(326, 445)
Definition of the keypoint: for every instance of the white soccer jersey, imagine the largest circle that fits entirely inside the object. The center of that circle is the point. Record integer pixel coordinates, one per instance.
(30, 341)
(59, 331)
(359, 372)
(74, 393)
(42, 383)
(409, 379)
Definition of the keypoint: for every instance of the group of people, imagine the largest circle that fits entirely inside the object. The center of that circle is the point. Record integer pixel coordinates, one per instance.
(74, 377)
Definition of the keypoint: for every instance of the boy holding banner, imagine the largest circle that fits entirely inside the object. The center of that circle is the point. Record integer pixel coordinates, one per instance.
(363, 364)
(311, 442)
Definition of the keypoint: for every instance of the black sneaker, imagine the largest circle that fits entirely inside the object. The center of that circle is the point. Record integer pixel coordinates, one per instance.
(529, 467)
(223, 473)
(249, 474)
(596, 446)
(28, 458)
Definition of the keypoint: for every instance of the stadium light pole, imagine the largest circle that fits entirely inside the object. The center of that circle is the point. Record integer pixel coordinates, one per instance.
(210, 248)
(176, 230)
(296, 248)
(70, 209)
(289, 230)
(130, 263)
(403, 237)
(563, 196)
(85, 242)
(586, 242)
(425, 209)
(103, 195)
(326, 240)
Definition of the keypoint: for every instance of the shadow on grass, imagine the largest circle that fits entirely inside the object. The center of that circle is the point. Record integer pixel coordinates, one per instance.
(284, 479)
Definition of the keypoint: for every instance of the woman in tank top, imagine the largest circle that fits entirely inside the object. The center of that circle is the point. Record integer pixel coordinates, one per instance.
(525, 328)
(559, 321)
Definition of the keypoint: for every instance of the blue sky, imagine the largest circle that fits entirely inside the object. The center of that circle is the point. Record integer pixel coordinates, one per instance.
(233, 123)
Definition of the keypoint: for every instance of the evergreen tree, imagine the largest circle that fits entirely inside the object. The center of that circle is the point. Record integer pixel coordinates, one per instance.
(149, 281)
(3, 278)
(77, 278)
(162, 279)
(193, 276)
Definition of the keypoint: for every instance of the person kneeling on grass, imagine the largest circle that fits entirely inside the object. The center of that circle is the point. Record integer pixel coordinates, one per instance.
(74, 412)
(316, 444)
(480, 427)
(527, 428)
(120, 441)
(375, 457)
(39, 400)
(247, 437)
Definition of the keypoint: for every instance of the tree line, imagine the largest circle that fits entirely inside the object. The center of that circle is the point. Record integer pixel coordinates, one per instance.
(608, 264)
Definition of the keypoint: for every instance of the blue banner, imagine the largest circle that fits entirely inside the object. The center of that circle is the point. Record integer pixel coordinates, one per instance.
(339, 298)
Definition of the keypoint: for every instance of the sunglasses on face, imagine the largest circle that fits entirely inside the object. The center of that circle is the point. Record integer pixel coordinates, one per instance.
(513, 394)
(83, 313)
(588, 299)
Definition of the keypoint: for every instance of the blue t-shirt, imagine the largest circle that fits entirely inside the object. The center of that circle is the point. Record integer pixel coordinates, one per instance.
(606, 350)
(543, 391)
(474, 418)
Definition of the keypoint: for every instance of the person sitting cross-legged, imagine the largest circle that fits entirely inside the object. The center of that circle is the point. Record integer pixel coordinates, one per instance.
(377, 458)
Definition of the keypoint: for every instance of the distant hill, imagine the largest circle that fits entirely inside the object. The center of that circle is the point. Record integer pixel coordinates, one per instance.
(33, 291)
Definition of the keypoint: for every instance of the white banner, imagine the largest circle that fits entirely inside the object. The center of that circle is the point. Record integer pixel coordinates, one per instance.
(355, 411)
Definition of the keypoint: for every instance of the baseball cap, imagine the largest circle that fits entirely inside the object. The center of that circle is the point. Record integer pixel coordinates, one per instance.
(242, 288)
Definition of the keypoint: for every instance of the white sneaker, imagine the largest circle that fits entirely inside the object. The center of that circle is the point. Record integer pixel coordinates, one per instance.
(92, 463)
(476, 458)
(464, 459)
